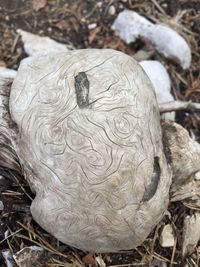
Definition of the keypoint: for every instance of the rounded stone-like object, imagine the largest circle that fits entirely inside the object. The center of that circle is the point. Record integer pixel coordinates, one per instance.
(89, 142)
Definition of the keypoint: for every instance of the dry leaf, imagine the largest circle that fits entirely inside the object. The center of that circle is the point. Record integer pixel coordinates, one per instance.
(93, 33)
(61, 25)
(39, 4)
(88, 259)
(116, 43)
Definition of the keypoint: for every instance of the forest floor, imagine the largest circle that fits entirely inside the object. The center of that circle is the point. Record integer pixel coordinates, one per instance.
(87, 24)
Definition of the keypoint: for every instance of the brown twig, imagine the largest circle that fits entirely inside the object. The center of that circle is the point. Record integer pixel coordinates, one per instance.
(159, 7)
(174, 247)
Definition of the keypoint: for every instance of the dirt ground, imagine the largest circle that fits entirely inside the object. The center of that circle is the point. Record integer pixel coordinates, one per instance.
(85, 24)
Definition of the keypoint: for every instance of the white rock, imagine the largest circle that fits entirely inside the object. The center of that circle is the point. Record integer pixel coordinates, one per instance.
(191, 233)
(37, 45)
(130, 26)
(197, 176)
(92, 26)
(161, 82)
(7, 73)
(171, 45)
(159, 77)
(112, 10)
(167, 236)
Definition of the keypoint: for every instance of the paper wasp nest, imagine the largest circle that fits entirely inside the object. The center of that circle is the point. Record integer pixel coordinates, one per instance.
(89, 142)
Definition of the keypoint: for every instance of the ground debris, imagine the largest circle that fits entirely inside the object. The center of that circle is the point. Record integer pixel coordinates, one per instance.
(28, 256)
(8, 258)
(167, 236)
(191, 233)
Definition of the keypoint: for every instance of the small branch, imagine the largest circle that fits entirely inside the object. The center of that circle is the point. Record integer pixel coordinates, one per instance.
(158, 7)
(178, 105)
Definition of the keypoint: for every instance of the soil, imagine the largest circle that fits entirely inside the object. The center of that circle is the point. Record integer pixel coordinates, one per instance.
(85, 24)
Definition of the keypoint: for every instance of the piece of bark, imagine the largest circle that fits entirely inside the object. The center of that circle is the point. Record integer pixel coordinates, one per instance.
(182, 152)
(8, 157)
(188, 192)
(191, 233)
(28, 256)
